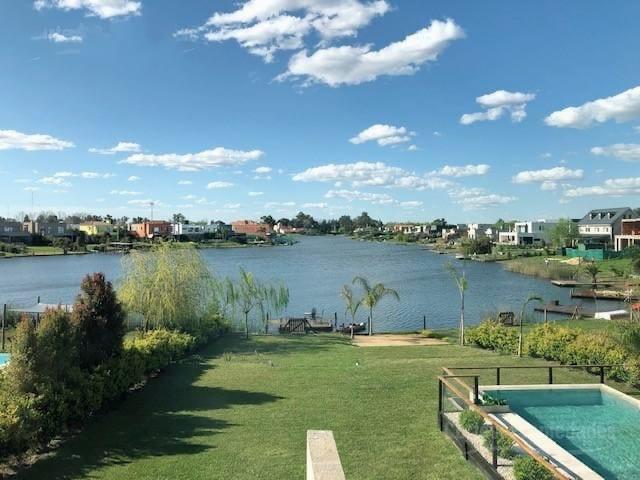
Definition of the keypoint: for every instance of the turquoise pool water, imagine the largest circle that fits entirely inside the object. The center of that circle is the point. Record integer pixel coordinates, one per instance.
(599, 428)
(4, 358)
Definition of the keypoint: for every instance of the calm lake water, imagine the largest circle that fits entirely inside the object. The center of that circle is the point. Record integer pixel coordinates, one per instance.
(315, 270)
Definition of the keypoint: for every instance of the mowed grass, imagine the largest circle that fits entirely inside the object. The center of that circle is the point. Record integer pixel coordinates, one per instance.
(240, 410)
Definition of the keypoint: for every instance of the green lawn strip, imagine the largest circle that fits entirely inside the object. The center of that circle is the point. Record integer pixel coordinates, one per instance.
(242, 408)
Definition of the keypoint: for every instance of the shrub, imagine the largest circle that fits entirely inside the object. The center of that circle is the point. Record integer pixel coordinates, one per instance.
(431, 334)
(526, 468)
(471, 421)
(99, 320)
(494, 336)
(549, 341)
(504, 443)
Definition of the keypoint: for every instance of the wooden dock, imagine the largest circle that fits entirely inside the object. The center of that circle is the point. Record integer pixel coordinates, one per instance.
(569, 310)
(604, 295)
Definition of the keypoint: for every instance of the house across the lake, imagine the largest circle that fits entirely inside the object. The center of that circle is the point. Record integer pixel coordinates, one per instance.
(249, 227)
(95, 228)
(534, 232)
(629, 234)
(602, 225)
(151, 229)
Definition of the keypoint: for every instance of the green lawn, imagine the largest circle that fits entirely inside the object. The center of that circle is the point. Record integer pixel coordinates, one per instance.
(241, 409)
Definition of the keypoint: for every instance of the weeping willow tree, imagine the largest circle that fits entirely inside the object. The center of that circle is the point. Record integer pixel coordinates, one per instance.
(272, 299)
(170, 286)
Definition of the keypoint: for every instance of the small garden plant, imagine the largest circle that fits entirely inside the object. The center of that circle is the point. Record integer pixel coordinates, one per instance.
(504, 443)
(472, 421)
(526, 468)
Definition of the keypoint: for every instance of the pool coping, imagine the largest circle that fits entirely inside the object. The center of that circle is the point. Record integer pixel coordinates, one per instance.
(567, 464)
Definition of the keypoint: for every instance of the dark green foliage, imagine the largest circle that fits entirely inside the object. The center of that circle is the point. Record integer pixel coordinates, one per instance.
(472, 421)
(99, 319)
(504, 443)
(526, 468)
(482, 246)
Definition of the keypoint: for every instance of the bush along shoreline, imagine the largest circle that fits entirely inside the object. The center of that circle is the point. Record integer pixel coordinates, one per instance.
(71, 366)
(569, 346)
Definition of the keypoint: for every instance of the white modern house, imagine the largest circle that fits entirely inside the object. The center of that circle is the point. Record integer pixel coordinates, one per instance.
(533, 232)
(188, 229)
(604, 224)
(476, 231)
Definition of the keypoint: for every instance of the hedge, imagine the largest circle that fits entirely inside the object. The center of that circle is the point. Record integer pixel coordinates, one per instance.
(561, 344)
(28, 420)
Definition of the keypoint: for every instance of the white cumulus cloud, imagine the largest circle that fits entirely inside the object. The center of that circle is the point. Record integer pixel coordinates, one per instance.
(351, 195)
(463, 170)
(622, 107)
(613, 187)
(548, 175)
(498, 103)
(13, 140)
(191, 162)
(218, 184)
(265, 27)
(121, 147)
(629, 152)
(95, 8)
(352, 65)
(56, 37)
(370, 174)
(383, 135)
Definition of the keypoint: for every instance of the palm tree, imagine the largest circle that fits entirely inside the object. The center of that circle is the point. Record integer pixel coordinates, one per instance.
(352, 304)
(530, 298)
(463, 284)
(372, 295)
(593, 270)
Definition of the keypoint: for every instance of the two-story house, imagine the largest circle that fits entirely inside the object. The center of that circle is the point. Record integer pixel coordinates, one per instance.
(602, 225)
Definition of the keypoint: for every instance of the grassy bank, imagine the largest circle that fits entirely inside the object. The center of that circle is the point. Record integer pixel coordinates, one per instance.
(242, 408)
(555, 269)
(38, 252)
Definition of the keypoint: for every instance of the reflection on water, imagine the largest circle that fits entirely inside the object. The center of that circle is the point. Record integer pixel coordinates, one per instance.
(315, 270)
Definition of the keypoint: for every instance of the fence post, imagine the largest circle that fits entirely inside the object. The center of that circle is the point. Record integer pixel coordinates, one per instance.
(497, 375)
(494, 447)
(601, 366)
(476, 397)
(335, 320)
(4, 323)
(550, 375)
(440, 403)
(424, 322)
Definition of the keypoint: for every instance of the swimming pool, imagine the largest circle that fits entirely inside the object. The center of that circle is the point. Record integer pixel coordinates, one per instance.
(596, 424)
(4, 359)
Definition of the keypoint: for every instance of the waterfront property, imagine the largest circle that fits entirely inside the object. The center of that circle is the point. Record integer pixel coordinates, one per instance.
(249, 227)
(477, 231)
(533, 232)
(629, 234)
(151, 229)
(243, 409)
(96, 228)
(602, 225)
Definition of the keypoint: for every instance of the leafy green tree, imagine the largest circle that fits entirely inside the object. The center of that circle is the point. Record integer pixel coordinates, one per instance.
(248, 296)
(462, 284)
(346, 224)
(372, 296)
(268, 219)
(170, 286)
(565, 233)
(99, 321)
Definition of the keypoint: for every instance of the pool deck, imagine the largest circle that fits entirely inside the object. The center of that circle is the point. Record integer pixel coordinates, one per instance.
(567, 464)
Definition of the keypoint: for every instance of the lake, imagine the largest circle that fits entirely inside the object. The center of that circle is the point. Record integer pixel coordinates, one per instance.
(315, 270)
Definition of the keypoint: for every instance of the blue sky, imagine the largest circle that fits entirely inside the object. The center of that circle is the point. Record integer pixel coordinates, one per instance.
(408, 110)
